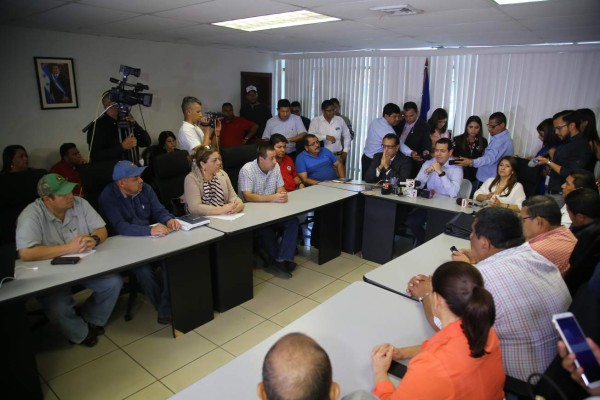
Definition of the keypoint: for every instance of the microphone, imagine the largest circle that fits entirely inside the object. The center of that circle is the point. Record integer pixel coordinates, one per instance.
(534, 161)
(410, 183)
(464, 202)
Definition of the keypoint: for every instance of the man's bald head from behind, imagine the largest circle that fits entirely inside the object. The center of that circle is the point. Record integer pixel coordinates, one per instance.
(297, 368)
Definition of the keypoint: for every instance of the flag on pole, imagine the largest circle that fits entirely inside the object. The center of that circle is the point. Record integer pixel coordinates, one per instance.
(425, 95)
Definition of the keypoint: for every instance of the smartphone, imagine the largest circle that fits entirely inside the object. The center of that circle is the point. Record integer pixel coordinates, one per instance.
(574, 339)
(453, 249)
(397, 369)
(454, 160)
(65, 260)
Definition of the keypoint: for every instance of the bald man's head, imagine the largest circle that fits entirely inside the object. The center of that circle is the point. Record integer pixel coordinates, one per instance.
(297, 368)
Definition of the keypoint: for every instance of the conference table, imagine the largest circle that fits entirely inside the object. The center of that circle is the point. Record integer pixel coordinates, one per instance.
(186, 255)
(380, 220)
(394, 275)
(231, 257)
(347, 326)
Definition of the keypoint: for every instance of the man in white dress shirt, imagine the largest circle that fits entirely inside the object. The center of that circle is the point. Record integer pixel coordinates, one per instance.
(332, 130)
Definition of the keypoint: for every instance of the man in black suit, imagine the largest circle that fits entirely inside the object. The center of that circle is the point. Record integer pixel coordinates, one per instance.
(390, 163)
(414, 137)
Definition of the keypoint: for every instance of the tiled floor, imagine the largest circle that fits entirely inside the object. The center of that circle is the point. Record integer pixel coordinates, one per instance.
(140, 360)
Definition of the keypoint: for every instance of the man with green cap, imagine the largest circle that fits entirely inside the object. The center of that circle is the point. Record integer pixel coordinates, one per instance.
(57, 224)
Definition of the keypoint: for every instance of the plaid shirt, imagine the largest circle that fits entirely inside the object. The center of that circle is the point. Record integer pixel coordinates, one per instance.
(252, 179)
(557, 246)
(528, 289)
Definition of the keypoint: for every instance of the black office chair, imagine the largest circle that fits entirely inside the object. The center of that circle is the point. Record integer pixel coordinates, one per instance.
(19, 190)
(234, 159)
(170, 170)
(94, 178)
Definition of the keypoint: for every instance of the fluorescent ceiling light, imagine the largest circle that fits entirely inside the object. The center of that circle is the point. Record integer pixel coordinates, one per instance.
(505, 2)
(282, 20)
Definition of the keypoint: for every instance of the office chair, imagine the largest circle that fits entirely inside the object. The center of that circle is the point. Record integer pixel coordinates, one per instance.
(529, 177)
(170, 170)
(465, 189)
(234, 159)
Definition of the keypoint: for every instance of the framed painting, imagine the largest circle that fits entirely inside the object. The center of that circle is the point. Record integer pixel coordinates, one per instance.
(56, 82)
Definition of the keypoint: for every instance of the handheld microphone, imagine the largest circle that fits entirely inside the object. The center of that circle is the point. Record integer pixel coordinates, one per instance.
(410, 183)
(459, 201)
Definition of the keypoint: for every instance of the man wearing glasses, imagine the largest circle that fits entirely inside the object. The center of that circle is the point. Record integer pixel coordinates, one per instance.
(500, 145)
(315, 164)
(573, 153)
(390, 163)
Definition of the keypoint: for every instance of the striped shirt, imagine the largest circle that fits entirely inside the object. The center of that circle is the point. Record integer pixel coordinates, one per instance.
(212, 192)
(556, 245)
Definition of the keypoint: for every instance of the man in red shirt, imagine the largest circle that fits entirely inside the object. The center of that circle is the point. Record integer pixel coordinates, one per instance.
(235, 131)
(291, 180)
(71, 159)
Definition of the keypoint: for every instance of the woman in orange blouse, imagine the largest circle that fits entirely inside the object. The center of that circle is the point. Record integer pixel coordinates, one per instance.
(461, 361)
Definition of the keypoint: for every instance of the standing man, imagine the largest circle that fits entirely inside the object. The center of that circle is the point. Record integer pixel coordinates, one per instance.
(59, 224)
(68, 166)
(338, 107)
(378, 128)
(332, 130)
(414, 136)
(500, 145)
(235, 131)
(573, 153)
(439, 175)
(296, 109)
(390, 163)
(132, 209)
(104, 139)
(287, 124)
(254, 111)
(192, 137)
(315, 165)
(260, 181)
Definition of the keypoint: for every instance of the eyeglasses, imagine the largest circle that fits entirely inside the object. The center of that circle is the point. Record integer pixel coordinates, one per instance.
(312, 144)
(558, 128)
(492, 126)
(389, 146)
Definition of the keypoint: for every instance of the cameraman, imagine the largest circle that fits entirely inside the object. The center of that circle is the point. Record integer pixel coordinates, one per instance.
(192, 137)
(106, 143)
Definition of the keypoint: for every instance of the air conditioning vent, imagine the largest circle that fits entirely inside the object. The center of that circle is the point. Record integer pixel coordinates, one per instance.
(404, 9)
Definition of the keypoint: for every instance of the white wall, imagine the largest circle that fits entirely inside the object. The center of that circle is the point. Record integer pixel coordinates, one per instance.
(172, 71)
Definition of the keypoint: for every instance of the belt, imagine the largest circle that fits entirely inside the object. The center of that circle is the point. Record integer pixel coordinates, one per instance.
(553, 192)
(338, 153)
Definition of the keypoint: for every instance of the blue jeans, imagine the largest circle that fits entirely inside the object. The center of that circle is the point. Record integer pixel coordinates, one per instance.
(59, 306)
(158, 297)
(289, 238)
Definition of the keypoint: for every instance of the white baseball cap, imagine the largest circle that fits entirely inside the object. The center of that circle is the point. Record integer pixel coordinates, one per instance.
(251, 88)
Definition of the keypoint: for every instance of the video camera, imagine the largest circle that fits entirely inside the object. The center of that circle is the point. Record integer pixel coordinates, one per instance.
(126, 98)
(212, 118)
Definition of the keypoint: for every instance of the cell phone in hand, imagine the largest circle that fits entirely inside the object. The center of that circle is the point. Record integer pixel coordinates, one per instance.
(572, 335)
(453, 249)
(65, 260)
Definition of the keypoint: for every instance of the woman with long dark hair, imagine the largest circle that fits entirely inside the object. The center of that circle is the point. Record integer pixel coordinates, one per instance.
(14, 159)
(590, 131)
(462, 360)
(503, 190)
(471, 144)
(550, 141)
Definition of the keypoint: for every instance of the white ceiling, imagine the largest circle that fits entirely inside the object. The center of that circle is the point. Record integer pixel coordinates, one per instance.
(446, 23)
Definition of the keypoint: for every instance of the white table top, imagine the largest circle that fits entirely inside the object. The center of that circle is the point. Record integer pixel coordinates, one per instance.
(353, 186)
(299, 201)
(347, 326)
(437, 202)
(117, 252)
(395, 274)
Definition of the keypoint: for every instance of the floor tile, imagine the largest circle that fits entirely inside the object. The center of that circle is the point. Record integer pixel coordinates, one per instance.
(156, 391)
(373, 264)
(229, 324)
(256, 280)
(161, 354)
(355, 257)
(142, 324)
(196, 370)
(269, 299)
(48, 393)
(114, 376)
(328, 291)
(58, 356)
(337, 267)
(357, 274)
(294, 312)
(251, 338)
(262, 274)
(304, 281)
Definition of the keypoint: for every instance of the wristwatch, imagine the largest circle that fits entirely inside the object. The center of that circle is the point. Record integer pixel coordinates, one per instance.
(96, 238)
(208, 147)
(442, 174)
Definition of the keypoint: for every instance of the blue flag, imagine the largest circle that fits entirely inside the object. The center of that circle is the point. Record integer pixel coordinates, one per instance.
(425, 95)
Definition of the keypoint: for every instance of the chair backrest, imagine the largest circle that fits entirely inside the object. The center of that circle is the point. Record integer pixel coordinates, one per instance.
(465, 189)
(94, 178)
(234, 159)
(18, 190)
(529, 177)
(170, 170)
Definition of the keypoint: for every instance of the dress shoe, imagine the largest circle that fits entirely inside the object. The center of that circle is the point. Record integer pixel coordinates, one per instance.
(97, 330)
(279, 269)
(165, 320)
(90, 340)
(290, 266)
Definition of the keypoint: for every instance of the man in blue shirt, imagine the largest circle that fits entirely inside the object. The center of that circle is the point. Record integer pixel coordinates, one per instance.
(378, 128)
(501, 145)
(436, 174)
(316, 164)
(287, 124)
(132, 209)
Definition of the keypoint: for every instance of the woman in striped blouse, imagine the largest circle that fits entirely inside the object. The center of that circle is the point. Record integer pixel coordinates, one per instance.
(208, 190)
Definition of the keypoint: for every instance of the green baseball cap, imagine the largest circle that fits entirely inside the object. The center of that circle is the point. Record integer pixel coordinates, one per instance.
(54, 184)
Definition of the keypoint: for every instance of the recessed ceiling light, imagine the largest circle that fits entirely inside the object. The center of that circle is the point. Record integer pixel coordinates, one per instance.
(505, 2)
(282, 20)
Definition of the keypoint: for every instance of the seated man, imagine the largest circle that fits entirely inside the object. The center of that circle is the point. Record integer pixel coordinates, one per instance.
(583, 206)
(261, 181)
(291, 180)
(67, 167)
(132, 209)
(439, 175)
(527, 288)
(315, 164)
(577, 179)
(58, 224)
(390, 163)
(545, 234)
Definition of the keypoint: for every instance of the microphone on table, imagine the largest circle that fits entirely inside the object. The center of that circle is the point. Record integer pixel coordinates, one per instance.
(460, 200)
(410, 183)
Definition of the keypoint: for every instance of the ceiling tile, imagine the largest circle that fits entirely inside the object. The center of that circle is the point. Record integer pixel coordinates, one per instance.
(12, 9)
(142, 6)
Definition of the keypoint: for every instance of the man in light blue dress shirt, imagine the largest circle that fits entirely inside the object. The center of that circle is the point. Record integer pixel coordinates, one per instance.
(378, 128)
